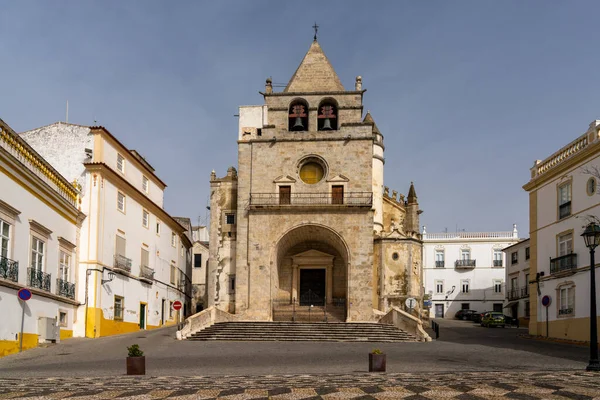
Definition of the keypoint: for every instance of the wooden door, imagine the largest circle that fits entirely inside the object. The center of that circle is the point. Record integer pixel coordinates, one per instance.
(337, 195)
(285, 194)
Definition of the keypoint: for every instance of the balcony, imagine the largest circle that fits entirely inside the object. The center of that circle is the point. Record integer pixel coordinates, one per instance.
(123, 263)
(517, 293)
(146, 274)
(9, 269)
(460, 264)
(564, 210)
(497, 263)
(349, 199)
(563, 263)
(440, 264)
(38, 279)
(513, 294)
(65, 288)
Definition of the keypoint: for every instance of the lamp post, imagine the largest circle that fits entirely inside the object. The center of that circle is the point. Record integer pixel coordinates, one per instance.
(591, 236)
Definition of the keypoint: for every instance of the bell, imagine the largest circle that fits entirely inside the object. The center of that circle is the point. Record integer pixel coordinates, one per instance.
(298, 123)
(327, 125)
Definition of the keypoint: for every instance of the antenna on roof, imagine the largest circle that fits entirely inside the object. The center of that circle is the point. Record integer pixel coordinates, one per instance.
(67, 118)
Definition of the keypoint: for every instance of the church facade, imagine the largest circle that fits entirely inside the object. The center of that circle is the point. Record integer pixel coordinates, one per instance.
(305, 220)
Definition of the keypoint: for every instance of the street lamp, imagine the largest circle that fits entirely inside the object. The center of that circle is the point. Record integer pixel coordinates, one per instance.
(591, 235)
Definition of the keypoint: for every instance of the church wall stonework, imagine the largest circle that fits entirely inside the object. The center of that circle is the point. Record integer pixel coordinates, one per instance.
(371, 249)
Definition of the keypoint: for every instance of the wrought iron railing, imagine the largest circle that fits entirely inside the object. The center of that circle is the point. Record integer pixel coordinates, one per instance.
(38, 279)
(310, 298)
(122, 263)
(563, 263)
(146, 272)
(9, 269)
(513, 294)
(564, 210)
(65, 288)
(525, 291)
(440, 264)
(497, 263)
(464, 264)
(312, 199)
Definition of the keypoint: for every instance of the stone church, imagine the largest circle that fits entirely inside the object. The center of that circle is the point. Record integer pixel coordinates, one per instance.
(305, 220)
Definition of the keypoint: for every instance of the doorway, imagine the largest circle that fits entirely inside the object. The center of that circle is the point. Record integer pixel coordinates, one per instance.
(439, 311)
(162, 312)
(312, 287)
(142, 316)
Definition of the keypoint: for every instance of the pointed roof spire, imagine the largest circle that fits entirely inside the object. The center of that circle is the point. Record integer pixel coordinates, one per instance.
(315, 73)
(412, 194)
(369, 119)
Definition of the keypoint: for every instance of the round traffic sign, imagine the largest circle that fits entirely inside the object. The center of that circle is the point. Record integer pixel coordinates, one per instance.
(177, 305)
(24, 294)
(546, 300)
(411, 302)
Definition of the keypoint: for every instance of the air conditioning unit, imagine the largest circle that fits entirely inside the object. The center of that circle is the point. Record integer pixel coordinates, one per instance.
(49, 330)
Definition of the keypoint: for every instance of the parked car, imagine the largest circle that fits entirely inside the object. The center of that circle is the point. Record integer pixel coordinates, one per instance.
(464, 314)
(493, 319)
(477, 317)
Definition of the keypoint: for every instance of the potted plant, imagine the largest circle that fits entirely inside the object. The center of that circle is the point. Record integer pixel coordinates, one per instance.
(376, 361)
(136, 362)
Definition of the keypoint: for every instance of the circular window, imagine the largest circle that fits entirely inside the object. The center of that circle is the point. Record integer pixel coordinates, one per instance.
(591, 186)
(395, 256)
(312, 171)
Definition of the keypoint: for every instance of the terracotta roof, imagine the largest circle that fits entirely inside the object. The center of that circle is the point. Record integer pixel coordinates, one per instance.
(314, 74)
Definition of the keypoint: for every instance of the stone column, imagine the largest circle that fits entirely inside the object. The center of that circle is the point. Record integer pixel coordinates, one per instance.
(295, 283)
(329, 283)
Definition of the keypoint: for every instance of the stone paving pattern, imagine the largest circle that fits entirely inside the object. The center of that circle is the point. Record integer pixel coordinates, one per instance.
(465, 386)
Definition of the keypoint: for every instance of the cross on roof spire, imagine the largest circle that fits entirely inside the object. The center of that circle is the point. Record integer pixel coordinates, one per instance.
(316, 28)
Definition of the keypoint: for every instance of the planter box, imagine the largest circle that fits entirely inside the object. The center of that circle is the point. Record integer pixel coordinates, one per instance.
(376, 362)
(136, 365)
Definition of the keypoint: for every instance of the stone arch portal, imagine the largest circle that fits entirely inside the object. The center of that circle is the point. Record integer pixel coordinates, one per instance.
(312, 272)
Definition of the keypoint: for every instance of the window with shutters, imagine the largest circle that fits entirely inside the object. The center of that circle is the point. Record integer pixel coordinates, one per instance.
(564, 200)
(565, 244)
(4, 238)
(120, 163)
(121, 202)
(439, 287)
(145, 258)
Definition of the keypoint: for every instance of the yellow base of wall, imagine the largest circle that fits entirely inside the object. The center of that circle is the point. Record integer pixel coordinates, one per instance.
(98, 326)
(576, 329)
(30, 341)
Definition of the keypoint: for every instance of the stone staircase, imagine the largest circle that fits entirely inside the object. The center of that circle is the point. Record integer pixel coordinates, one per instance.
(298, 313)
(302, 331)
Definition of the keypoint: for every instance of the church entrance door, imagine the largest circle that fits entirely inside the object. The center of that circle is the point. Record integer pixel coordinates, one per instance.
(312, 287)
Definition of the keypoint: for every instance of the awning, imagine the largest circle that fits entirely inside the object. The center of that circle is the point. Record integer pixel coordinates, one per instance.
(511, 303)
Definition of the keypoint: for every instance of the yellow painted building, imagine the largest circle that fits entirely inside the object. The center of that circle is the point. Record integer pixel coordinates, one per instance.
(563, 196)
(134, 258)
(39, 235)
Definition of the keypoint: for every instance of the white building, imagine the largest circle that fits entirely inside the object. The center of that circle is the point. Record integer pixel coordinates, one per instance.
(562, 198)
(132, 254)
(39, 234)
(200, 267)
(517, 281)
(465, 270)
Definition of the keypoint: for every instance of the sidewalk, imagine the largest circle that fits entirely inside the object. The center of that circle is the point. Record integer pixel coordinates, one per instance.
(472, 386)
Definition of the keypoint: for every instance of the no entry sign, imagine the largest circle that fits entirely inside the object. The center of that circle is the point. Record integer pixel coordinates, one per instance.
(177, 305)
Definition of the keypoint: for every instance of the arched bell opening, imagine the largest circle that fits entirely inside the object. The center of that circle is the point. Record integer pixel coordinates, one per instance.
(298, 116)
(312, 276)
(327, 116)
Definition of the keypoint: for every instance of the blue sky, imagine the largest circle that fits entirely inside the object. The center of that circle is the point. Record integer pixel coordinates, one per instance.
(467, 93)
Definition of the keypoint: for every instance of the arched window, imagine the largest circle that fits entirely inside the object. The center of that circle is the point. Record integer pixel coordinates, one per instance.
(298, 116)
(327, 117)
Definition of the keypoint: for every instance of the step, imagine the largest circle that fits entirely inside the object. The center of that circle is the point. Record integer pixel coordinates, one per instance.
(301, 331)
